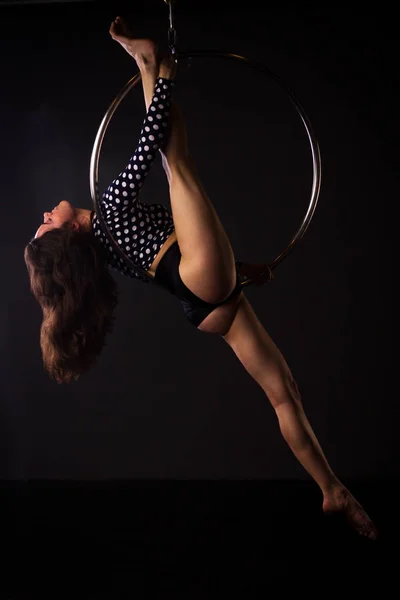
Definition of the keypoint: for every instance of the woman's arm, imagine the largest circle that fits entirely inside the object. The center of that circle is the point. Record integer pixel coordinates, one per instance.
(126, 186)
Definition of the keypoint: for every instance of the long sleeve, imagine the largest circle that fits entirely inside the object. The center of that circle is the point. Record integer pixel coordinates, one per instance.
(125, 188)
(140, 229)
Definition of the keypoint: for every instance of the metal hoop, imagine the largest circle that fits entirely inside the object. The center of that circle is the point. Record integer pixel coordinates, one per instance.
(316, 157)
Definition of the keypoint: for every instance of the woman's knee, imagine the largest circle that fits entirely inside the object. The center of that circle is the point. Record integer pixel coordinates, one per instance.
(282, 389)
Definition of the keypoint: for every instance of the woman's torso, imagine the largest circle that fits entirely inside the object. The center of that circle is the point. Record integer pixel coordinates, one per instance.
(150, 267)
(170, 240)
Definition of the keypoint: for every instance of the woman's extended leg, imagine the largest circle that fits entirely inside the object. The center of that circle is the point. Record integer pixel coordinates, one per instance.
(265, 363)
(208, 264)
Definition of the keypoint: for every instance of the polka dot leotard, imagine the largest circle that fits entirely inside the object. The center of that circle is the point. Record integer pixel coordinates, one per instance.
(140, 229)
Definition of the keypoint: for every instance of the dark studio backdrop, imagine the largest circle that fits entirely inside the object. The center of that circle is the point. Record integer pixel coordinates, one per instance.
(165, 400)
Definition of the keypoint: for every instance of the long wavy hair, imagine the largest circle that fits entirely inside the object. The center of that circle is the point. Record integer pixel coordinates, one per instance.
(70, 279)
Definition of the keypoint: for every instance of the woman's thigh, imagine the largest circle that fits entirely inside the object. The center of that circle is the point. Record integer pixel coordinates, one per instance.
(208, 264)
(259, 354)
(220, 320)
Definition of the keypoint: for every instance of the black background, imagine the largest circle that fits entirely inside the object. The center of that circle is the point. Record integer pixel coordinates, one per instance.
(166, 401)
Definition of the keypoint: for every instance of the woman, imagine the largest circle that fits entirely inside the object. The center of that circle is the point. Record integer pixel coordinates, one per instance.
(187, 253)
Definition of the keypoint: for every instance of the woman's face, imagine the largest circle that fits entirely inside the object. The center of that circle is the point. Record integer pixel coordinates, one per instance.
(62, 213)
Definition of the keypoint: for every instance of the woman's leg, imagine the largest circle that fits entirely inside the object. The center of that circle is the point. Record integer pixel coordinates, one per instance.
(208, 264)
(265, 363)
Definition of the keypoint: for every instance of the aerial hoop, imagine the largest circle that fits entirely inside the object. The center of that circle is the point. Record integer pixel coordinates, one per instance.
(315, 153)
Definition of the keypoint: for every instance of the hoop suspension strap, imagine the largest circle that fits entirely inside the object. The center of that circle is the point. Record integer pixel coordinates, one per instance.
(171, 30)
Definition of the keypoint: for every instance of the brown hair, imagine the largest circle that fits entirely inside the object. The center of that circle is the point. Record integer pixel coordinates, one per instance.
(69, 277)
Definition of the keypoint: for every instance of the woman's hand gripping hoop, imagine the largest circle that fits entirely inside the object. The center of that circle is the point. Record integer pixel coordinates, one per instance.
(254, 273)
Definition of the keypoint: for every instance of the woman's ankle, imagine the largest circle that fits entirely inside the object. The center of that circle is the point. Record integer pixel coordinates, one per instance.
(148, 65)
(167, 68)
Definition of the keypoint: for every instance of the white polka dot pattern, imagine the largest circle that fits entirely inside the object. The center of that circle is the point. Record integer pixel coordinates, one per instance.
(139, 229)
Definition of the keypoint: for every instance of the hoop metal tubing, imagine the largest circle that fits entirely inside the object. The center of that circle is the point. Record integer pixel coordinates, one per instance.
(315, 153)
(94, 171)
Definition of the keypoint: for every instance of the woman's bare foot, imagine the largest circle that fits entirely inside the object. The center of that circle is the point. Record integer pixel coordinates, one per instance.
(144, 51)
(341, 502)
